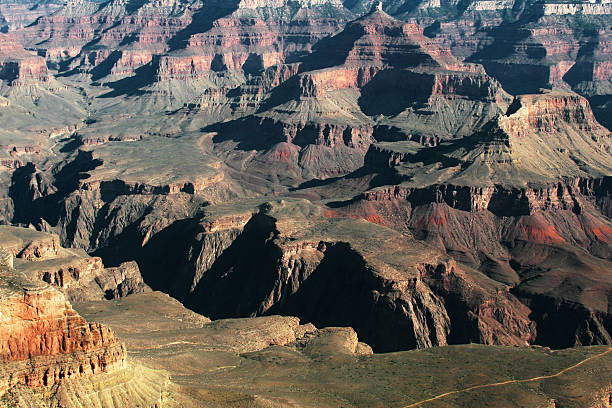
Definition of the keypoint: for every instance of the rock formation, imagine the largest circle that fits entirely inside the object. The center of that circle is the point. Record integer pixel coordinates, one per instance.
(496, 200)
(41, 258)
(18, 66)
(321, 121)
(273, 359)
(335, 265)
(414, 175)
(43, 340)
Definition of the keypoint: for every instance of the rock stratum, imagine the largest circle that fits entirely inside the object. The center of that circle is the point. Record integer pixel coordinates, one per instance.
(310, 175)
(44, 341)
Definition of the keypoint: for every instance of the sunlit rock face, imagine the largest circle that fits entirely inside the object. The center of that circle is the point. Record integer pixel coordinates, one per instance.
(45, 341)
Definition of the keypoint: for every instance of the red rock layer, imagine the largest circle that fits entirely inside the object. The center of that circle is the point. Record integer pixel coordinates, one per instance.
(43, 340)
(19, 67)
(545, 113)
(245, 44)
(42, 323)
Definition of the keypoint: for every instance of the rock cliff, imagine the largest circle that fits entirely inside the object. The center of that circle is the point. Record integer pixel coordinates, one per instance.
(18, 66)
(334, 264)
(45, 341)
(128, 125)
(41, 258)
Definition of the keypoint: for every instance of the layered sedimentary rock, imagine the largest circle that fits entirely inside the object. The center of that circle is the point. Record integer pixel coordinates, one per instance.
(499, 231)
(142, 28)
(41, 258)
(246, 36)
(175, 106)
(17, 15)
(541, 139)
(334, 264)
(520, 201)
(221, 35)
(45, 341)
(320, 122)
(18, 66)
(551, 44)
(50, 355)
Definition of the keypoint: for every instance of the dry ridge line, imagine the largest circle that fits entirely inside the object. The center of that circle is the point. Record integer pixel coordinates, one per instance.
(543, 377)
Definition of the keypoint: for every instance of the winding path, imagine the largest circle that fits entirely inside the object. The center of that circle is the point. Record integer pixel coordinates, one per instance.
(542, 377)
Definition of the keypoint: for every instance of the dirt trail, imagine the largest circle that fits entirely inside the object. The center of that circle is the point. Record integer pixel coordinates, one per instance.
(542, 377)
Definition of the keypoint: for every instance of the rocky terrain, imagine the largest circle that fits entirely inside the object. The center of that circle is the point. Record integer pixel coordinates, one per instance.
(40, 257)
(323, 179)
(51, 356)
(275, 361)
(43, 339)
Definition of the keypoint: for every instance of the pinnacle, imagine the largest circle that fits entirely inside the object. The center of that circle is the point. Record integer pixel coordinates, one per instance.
(377, 6)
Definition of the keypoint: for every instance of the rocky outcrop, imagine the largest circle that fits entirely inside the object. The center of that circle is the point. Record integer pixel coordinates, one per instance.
(549, 45)
(18, 66)
(602, 8)
(549, 113)
(40, 257)
(477, 313)
(301, 134)
(29, 244)
(525, 243)
(543, 139)
(52, 328)
(294, 93)
(332, 281)
(45, 341)
(15, 16)
(517, 201)
(377, 39)
(498, 199)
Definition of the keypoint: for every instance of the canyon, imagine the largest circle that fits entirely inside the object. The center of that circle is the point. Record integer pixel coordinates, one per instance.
(254, 197)
(51, 356)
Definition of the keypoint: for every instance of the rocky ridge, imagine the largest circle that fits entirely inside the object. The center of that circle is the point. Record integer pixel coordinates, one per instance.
(40, 257)
(433, 135)
(18, 66)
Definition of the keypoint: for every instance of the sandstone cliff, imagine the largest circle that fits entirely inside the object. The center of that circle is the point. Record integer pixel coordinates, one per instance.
(18, 66)
(45, 341)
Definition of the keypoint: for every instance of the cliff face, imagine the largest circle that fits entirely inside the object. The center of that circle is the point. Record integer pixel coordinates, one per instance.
(304, 356)
(186, 104)
(542, 139)
(42, 323)
(45, 341)
(320, 122)
(218, 36)
(15, 16)
(520, 201)
(332, 278)
(41, 258)
(18, 66)
(524, 239)
(499, 231)
(549, 112)
(550, 45)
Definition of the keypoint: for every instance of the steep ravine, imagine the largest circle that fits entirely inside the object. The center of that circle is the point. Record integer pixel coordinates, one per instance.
(246, 267)
(243, 266)
(328, 284)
